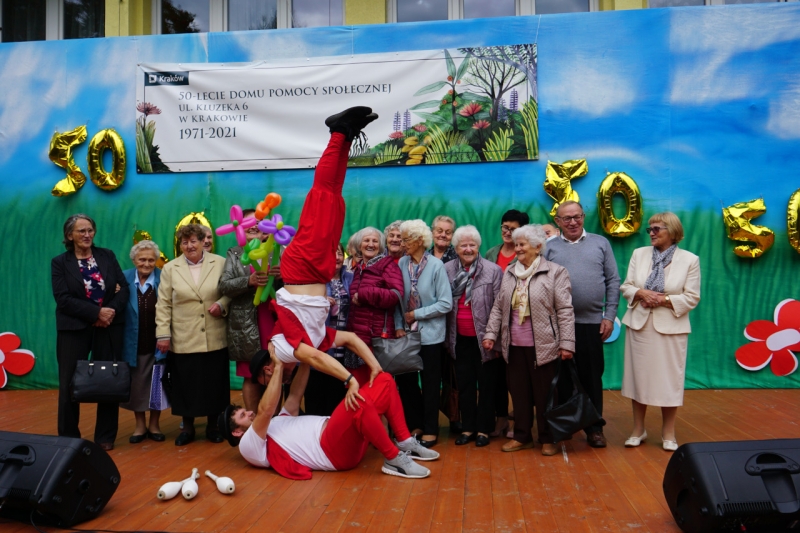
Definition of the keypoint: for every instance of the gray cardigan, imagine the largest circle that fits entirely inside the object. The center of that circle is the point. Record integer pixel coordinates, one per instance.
(437, 300)
(485, 288)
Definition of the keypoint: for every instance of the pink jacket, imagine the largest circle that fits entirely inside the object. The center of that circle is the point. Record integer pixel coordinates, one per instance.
(376, 300)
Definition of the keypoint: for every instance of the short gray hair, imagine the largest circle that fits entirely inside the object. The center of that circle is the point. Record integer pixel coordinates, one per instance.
(418, 228)
(351, 249)
(466, 231)
(443, 218)
(533, 233)
(358, 238)
(142, 246)
(394, 226)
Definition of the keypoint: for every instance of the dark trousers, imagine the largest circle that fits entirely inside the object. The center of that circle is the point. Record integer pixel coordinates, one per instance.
(529, 385)
(71, 347)
(421, 408)
(323, 393)
(501, 391)
(473, 375)
(590, 363)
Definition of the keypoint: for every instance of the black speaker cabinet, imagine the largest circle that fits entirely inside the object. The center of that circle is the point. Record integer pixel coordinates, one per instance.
(735, 486)
(61, 480)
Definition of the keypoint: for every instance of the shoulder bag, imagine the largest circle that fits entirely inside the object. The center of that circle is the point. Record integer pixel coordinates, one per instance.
(101, 381)
(400, 355)
(573, 415)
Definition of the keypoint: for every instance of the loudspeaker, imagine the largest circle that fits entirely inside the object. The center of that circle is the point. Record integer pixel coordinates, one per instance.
(61, 480)
(735, 486)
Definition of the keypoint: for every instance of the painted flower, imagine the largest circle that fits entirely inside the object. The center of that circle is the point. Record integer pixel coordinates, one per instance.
(449, 78)
(450, 91)
(470, 109)
(421, 127)
(396, 135)
(773, 342)
(480, 125)
(12, 359)
(148, 109)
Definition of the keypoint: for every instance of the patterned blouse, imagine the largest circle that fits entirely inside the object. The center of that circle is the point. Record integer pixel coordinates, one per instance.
(338, 320)
(92, 280)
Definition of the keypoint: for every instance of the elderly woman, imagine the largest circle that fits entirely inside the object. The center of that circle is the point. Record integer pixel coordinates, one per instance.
(249, 327)
(208, 238)
(442, 229)
(353, 253)
(190, 326)
(374, 293)
(89, 318)
(534, 319)
(662, 286)
(425, 303)
(475, 283)
(394, 240)
(140, 338)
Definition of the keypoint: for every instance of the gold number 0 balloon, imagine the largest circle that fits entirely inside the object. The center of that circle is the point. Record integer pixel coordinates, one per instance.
(191, 218)
(793, 220)
(739, 228)
(620, 183)
(107, 139)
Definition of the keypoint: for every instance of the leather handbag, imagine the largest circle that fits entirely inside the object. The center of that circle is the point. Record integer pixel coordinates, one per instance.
(101, 381)
(573, 415)
(400, 355)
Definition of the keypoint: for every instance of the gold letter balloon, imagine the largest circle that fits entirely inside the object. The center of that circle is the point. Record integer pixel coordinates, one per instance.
(142, 235)
(61, 154)
(620, 183)
(792, 222)
(107, 139)
(557, 181)
(739, 228)
(191, 218)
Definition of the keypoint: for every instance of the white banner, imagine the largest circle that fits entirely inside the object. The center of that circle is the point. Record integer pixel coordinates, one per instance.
(465, 105)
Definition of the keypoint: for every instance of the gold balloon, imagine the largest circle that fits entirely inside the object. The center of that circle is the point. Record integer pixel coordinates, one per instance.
(141, 235)
(192, 218)
(557, 181)
(793, 220)
(620, 183)
(739, 228)
(61, 154)
(107, 139)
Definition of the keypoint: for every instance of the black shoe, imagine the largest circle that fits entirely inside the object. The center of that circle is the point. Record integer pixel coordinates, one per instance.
(350, 121)
(214, 435)
(184, 438)
(136, 439)
(158, 437)
(481, 441)
(464, 438)
(429, 443)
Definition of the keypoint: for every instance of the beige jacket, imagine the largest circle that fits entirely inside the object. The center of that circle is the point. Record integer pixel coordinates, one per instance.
(552, 316)
(682, 283)
(182, 308)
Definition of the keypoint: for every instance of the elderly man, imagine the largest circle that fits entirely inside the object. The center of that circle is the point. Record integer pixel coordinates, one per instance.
(595, 294)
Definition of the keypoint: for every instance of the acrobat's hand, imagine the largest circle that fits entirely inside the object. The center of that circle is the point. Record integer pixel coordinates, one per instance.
(352, 396)
(374, 372)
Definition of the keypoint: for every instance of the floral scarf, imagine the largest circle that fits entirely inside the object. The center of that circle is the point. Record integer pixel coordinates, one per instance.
(655, 281)
(519, 300)
(463, 282)
(414, 273)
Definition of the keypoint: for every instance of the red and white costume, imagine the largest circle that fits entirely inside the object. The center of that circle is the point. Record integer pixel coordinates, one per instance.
(294, 446)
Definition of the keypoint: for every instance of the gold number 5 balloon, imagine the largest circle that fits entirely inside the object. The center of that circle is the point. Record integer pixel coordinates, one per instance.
(61, 154)
(793, 220)
(558, 179)
(620, 183)
(739, 228)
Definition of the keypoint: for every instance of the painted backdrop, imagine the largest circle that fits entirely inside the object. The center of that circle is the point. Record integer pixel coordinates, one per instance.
(698, 105)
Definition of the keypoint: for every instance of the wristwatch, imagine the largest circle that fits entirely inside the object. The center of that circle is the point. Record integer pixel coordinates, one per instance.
(666, 298)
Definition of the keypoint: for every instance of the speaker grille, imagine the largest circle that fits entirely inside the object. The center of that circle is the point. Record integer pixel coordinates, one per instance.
(745, 508)
(19, 494)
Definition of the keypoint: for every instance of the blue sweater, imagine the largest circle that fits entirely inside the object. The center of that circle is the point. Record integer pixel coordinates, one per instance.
(437, 300)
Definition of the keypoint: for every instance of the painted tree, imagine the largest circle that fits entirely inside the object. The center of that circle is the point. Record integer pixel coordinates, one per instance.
(520, 56)
(493, 79)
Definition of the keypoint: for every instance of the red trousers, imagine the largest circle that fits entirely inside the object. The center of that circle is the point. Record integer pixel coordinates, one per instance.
(348, 433)
(311, 256)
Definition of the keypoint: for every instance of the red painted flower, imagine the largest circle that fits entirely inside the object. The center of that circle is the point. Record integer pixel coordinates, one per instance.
(470, 109)
(481, 125)
(773, 342)
(396, 135)
(421, 127)
(17, 362)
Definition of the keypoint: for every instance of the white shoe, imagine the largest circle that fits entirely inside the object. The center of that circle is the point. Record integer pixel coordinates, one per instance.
(670, 445)
(417, 451)
(636, 441)
(403, 466)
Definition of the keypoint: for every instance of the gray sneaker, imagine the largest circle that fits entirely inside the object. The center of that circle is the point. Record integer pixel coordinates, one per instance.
(418, 451)
(403, 466)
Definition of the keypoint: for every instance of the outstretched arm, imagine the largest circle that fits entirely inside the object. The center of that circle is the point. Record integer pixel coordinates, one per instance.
(325, 363)
(350, 340)
(270, 398)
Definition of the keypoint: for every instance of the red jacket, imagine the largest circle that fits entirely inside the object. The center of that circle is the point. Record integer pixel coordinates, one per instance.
(373, 285)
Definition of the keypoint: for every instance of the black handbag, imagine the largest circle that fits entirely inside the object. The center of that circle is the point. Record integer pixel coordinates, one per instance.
(101, 381)
(400, 355)
(573, 415)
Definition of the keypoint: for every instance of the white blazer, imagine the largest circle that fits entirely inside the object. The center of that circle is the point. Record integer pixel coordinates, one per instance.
(681, 283)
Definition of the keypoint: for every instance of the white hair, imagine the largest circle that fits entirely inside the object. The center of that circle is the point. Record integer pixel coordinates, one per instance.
(418, 228)
(394, 226)
(358, 238)
(533, 233)
(144, 245)
(443, 218)
(466, 231)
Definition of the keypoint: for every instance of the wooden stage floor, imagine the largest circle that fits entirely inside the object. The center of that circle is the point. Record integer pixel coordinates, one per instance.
(470, 489)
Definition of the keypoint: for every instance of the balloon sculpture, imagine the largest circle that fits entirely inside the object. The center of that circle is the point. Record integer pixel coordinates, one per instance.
(238, 224)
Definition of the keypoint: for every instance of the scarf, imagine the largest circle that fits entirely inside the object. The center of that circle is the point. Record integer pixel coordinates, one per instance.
(655, 281)
(463, 282)
(414, 273)
(520, 298)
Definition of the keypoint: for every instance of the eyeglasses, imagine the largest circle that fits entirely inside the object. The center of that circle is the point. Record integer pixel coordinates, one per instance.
(409, 239)
(439, 231)
(654, 229)
(506, 229)
(567, 220)
(89, 231)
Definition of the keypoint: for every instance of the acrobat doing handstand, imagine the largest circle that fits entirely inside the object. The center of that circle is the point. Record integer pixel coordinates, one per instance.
(294, 445)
